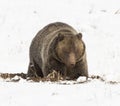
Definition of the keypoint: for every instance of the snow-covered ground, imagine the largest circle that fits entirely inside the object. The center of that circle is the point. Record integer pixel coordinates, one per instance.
(98, 20)
(50, 94)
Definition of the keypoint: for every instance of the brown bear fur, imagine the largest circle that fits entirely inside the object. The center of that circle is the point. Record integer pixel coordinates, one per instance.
(58, 47)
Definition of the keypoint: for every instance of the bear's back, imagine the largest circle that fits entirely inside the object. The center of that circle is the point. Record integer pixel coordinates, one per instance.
(55, 27)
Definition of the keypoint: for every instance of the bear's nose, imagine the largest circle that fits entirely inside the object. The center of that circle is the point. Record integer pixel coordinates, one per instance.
(72, 64)
(71, 59)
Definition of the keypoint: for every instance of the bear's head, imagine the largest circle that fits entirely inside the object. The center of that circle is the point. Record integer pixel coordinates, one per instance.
(69, 48)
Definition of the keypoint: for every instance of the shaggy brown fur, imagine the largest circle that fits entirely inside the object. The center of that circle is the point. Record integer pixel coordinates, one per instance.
(58, 47)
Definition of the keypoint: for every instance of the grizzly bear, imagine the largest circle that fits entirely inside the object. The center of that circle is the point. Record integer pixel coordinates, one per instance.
(58, 47)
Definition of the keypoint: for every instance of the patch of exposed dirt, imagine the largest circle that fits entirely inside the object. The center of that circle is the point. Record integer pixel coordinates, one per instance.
(15, 77)
(52, 77)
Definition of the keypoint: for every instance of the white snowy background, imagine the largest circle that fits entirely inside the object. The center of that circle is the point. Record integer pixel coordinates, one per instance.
(98, 20)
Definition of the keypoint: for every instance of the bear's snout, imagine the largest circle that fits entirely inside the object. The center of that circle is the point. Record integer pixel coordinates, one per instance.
(71, 60)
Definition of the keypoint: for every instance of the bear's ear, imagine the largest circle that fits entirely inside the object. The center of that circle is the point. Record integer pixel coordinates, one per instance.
(79, 35)
(60, 36)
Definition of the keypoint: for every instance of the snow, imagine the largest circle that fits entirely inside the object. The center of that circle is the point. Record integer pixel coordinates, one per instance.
(98, 20)
(96, 93)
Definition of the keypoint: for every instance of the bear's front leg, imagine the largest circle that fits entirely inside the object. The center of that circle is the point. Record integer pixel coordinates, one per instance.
(82, 68)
